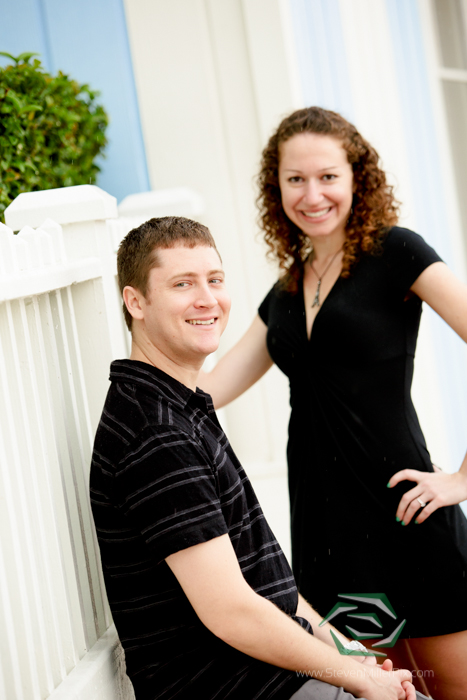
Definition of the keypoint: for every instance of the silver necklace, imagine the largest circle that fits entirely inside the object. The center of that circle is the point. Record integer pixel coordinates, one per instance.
(316, 301)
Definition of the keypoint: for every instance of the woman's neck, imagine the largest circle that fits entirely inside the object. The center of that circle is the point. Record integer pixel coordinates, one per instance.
(325, 248)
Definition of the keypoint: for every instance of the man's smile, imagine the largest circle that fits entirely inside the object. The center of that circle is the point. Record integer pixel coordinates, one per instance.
(199, 322)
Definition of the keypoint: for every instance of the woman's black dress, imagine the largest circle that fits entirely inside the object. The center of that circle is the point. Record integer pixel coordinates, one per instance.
(352, 426)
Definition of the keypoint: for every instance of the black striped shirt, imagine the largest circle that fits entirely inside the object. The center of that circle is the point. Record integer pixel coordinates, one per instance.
(164, 478)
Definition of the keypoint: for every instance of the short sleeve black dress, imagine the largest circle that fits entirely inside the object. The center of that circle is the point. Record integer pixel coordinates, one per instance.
(352, 426)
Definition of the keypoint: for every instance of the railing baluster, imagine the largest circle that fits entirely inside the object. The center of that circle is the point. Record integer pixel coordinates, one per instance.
(99, 585)
(63, 438)
(79, 456)
(10, 657)
(16, 518)
(42, 453)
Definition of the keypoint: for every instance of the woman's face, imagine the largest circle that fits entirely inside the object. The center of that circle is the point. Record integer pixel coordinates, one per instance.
(316, 183)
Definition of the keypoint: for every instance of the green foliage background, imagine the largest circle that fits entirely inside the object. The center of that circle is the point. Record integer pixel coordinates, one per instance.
(51, 130)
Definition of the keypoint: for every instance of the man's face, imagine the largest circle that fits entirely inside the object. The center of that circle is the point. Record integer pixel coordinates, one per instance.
(187, 305)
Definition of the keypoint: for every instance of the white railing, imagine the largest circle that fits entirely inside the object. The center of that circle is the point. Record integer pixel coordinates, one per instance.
(60, 327)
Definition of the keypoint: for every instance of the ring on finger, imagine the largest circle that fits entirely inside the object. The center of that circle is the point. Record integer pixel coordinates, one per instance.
(422, 504)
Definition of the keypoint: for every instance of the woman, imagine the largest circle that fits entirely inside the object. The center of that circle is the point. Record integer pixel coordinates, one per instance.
(342, 324)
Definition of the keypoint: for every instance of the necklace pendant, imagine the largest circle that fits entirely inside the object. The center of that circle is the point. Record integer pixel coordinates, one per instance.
(316, 299)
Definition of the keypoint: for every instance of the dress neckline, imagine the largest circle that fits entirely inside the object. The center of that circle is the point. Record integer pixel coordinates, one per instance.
(302, 292)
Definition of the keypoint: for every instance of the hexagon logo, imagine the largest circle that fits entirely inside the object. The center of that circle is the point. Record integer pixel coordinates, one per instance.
(375, 607)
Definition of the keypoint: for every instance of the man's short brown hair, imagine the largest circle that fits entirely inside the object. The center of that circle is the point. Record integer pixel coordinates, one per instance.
(137, 253)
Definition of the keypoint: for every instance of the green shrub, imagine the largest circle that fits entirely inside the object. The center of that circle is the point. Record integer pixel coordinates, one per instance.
(51, 130)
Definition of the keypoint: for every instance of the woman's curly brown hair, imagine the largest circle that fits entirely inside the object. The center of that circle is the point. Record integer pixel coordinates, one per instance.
(374, 208)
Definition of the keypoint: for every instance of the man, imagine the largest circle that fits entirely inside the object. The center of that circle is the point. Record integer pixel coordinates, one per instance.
(201, 594)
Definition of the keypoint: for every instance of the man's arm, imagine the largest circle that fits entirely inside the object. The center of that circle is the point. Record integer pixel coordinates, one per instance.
(212, 580)
(305, 610)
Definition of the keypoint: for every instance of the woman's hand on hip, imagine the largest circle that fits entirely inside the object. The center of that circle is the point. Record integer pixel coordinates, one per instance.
(432, 491)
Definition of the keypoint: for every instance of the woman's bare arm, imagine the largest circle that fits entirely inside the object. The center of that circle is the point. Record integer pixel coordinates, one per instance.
(446, 295)
(240, 367)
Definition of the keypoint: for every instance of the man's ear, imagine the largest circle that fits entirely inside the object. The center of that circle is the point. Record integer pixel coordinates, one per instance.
(132, 298)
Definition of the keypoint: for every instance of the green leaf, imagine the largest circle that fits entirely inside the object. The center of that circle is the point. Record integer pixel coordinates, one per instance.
(24, 57)
(30, 108)
(13, 98)
(8, 55)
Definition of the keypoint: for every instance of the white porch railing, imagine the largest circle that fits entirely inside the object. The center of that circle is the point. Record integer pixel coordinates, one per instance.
(60, 327)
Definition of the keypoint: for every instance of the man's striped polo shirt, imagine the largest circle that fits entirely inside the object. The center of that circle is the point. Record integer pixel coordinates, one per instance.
(164, 478)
